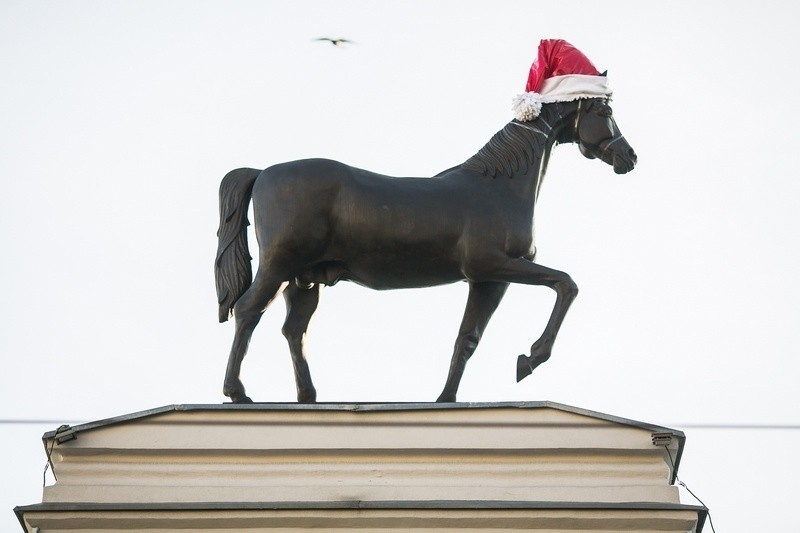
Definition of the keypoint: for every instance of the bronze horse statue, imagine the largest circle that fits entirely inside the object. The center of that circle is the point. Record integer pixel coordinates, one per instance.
(319, 221)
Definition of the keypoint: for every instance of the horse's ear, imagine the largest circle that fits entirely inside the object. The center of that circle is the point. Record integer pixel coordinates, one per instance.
(604, 73)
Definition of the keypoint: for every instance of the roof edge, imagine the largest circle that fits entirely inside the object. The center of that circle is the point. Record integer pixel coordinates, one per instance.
(702, 511)
(366, 407)
(383, 407)
(357, 504)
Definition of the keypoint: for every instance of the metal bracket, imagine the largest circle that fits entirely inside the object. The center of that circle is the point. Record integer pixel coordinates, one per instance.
(64, 434)
(661, 438)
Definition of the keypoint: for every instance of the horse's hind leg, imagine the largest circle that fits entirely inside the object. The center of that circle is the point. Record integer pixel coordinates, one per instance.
(482, 301)
(300, 306)
(247, 313)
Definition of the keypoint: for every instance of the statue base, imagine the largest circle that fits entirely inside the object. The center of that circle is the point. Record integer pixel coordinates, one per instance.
(371, 467)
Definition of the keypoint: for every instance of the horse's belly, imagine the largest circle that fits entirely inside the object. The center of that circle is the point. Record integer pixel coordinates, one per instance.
(390, 271)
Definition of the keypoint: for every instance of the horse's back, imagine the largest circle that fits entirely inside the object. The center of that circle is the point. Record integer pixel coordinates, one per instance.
(303, 173)
(320, 184)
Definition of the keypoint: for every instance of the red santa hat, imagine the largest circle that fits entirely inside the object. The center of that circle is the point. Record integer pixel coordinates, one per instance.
(561, 73)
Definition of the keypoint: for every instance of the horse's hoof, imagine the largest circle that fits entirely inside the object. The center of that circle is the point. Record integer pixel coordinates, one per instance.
(234, 390)
(309, 397)
(523, 368)
(237, 395)
(446, 398)
(242, 399)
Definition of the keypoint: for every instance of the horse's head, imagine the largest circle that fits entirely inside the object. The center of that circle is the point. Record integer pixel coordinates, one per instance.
(598, 136)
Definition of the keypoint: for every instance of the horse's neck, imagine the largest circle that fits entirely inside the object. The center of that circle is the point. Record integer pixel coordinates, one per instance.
(553, 121)
(545, 159)
(545, 130)
(520, 151)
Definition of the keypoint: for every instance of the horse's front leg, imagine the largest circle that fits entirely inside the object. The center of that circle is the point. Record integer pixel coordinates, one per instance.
(482, 301)
(300, 306)
(524, 271)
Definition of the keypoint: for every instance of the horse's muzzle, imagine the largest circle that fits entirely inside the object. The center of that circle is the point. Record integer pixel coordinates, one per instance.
(624, 164)
(615, 152)
(626, 161)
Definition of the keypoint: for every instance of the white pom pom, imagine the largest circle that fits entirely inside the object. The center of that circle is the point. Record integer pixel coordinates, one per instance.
(527, 106)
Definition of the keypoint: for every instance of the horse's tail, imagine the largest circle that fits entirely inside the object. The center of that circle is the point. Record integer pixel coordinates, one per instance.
(232, 267)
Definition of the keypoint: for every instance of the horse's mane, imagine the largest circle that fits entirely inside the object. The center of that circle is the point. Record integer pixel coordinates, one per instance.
(511, 150)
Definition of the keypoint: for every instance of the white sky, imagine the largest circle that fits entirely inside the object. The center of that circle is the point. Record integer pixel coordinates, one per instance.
(120, 118)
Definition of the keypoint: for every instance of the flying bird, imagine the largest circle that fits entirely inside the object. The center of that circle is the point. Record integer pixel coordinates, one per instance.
(334, 42)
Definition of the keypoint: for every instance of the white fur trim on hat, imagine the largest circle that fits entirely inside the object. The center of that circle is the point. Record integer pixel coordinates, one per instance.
(527, 106)
(566, 88)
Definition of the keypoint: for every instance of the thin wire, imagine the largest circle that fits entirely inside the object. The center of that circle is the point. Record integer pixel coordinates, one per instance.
(47, 465)
(738, 426)
(685, 486)
(49, 462)
(11, 421)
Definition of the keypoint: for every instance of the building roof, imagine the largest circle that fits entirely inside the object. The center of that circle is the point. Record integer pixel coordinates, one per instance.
(657, 431)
